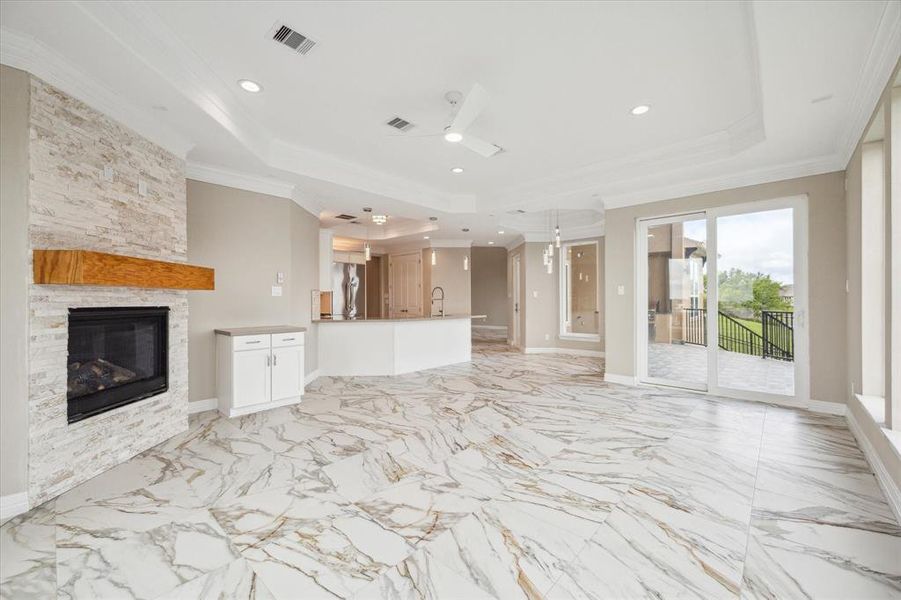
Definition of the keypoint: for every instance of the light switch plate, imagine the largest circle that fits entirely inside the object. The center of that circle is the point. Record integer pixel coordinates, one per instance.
(620, 290)
(276, 290)
(280, 277)
(534, 293)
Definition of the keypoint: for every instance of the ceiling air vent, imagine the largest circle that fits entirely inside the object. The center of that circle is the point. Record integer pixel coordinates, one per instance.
(400, 124)
(346, 217)
(292, 39)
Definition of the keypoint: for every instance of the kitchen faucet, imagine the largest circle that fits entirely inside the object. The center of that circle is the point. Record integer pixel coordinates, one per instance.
(441, 310)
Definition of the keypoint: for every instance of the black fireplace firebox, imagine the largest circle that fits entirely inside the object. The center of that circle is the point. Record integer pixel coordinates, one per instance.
(116, 356)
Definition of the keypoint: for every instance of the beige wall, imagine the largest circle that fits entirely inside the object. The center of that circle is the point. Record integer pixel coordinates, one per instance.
(448, 273)
(14, 277)
(827, 228)
(248, 238)
(489, 285)
(854, 255)
(540, 301)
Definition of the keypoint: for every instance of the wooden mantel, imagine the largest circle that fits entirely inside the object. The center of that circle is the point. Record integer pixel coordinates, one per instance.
(85, 267)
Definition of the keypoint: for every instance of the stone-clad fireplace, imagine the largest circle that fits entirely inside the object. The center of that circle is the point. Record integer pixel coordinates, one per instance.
(117, 356)
(74, 204)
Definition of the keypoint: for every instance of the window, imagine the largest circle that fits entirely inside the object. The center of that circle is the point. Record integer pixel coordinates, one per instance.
(579, 291)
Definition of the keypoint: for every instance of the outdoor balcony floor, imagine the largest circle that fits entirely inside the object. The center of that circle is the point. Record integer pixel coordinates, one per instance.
(687, 363)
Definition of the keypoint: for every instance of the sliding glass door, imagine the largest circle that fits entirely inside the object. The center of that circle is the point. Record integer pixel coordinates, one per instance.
(735, 276)
(673, 287)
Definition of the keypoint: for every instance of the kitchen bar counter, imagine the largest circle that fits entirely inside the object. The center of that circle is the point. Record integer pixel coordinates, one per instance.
(393, 346)
(264, 330)
(406, 319)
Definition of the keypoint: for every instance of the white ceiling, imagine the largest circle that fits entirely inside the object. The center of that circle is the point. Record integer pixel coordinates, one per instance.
(741, 92)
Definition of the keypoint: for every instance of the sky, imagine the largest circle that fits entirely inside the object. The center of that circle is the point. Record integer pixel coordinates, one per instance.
(753, 242)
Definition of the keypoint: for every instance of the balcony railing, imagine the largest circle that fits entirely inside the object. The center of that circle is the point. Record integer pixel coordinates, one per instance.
(776, 341)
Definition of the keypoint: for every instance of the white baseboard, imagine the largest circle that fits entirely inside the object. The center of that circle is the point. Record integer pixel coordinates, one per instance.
(310, 377)
(576, 351)
(198, 406)
(13, 505)
(621, 379)
(496, 327)
(830, 408)
(246, 410)
(891, 491)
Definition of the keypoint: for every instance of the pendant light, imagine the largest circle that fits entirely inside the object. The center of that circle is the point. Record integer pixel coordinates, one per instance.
(466, 263)
(557, 231)
(367, 249)
(434, 257)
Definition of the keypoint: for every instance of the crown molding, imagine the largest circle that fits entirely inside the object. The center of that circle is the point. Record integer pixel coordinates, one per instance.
(516, 242)
(804, 168)
(450, 243)
(26, 53)
(239, 180)
(879, 66)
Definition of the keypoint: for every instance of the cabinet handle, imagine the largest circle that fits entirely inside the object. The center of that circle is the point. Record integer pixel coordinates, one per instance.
(268, 358)
(287, 339)
(275, 360)
(253, 342)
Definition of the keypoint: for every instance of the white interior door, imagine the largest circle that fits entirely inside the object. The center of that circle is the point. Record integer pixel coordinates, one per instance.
(405, 291)
(251, 377)
(287, 372)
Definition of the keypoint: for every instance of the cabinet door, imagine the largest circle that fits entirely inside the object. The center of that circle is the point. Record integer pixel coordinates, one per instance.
(287, 372)
(251, 377)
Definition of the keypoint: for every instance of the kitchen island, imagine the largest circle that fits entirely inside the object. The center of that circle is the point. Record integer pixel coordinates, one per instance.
(349, 347)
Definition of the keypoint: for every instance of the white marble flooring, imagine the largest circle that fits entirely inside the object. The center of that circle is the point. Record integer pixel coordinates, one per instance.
(687, 363)
(515, 476)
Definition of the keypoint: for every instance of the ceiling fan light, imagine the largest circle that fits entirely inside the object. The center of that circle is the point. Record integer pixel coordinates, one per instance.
(453, 137)
(250, 86)
(641, 109)
(457, 170)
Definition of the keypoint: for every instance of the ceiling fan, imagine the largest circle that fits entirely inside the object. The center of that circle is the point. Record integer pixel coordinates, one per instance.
(465, 111)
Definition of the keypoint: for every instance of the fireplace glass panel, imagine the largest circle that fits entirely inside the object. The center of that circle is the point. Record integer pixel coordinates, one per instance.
(116, 356)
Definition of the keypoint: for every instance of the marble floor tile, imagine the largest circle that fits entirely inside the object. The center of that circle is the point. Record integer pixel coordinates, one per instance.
(331, 557)
(147, 564)
(28, 554)
(512, 476)
(234, 581)
(790, 559)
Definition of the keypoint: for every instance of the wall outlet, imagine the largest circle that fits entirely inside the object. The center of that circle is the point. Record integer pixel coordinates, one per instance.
(547, 337)
(276, 290)
(620, 290)
(280, 277)
(534, 293)
(142, 187)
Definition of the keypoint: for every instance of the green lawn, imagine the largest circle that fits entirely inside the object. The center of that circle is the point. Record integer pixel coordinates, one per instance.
(755, 326)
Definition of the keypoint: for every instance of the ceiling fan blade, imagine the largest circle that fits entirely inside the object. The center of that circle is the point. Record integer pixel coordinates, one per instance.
(479, 146)
(420, 135)
(473, 105)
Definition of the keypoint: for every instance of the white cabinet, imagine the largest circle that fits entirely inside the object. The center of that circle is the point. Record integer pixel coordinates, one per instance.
(258, 371)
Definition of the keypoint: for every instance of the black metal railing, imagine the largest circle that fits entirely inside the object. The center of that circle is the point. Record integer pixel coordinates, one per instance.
(776, 341)
(778, 334)
(735, 336)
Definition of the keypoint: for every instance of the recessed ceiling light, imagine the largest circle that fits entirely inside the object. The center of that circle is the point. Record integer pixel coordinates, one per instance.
(641, 109)
(425, 237)
(453, 137)
(490, 243)
(250, 86)
(457, 170)
(501, 232)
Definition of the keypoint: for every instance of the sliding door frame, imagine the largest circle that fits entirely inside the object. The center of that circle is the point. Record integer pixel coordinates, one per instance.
(800, 242)
(641, 295)
(801, 361)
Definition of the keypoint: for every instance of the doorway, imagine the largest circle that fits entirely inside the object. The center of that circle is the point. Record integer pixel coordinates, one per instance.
(735, 276)
(405, 285)
(516, 297)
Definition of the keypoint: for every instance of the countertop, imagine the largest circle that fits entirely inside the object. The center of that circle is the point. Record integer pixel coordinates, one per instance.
(398, 319)
(271, 329)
